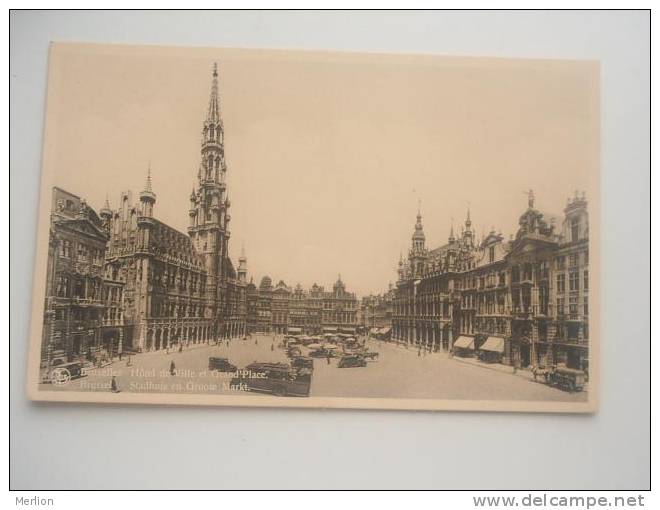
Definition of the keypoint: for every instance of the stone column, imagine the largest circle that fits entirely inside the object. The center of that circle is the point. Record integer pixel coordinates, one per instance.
(120, 344)
(533, 348)
(141, 339)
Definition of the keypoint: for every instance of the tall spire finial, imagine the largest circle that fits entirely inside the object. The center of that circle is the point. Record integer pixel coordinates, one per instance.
(213, 115)
(147, 186)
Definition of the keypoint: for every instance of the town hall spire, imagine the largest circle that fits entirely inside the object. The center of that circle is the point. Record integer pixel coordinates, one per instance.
(209, 206)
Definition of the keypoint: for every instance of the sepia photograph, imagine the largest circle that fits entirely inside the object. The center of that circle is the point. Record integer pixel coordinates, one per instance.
(317, 229)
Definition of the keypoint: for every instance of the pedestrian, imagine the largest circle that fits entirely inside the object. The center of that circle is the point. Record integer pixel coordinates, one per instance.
(180, 347)
(328, 358)
(272, 346)
(128, 363)
(419, 352)
(114, 387)
(256, 341)
(172, 368)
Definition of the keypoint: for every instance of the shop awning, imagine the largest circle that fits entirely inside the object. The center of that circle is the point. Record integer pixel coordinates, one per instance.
(347, 330)
(464, 342)
(385, 331)
(493, 344)
(329, 329)
(294, 330)
(373, 330)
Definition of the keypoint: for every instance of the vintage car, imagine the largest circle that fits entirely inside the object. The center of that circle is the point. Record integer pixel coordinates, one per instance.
(568, 379)
(352, 361)
(293, 350)
(371, 356)
(279, 379)
(324, 352)
(300, 362)
(221, 365)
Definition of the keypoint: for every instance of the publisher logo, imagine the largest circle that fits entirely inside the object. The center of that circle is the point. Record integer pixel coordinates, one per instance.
(60, 376)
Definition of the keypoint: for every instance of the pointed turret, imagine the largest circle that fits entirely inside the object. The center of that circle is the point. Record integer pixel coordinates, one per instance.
(105, 213)
(418, 237)
(418, 255)
(148, 197)
(468, 235)
(242, 266)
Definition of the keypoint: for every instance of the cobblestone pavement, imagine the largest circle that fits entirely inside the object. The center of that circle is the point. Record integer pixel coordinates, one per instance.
(397, 373)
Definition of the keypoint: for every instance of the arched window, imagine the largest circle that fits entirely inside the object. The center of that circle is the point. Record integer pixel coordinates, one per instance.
(211, 132)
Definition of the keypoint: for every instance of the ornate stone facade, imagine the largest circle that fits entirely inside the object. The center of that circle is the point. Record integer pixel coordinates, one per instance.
(147, 286)
(75, 310)
(531, 291)
(376, 310)
(281, 309)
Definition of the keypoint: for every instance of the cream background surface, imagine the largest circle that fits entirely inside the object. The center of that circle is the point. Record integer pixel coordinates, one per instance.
(423, 449)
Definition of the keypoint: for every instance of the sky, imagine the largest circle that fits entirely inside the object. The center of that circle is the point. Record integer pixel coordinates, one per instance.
(329, 155)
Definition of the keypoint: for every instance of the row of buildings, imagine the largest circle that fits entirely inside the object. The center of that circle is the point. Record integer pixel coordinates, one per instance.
(375, 313)
(283, 309)
(121, 280)
(526, 298)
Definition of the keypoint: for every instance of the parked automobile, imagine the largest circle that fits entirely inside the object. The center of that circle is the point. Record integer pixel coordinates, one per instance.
(352, 361)
(279, 379)
(568, 379)
(302, 362)
(221, 365)
(322, 352)
(293, 351)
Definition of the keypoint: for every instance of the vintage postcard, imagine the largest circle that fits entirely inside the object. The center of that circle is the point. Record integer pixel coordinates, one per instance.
(306, 229)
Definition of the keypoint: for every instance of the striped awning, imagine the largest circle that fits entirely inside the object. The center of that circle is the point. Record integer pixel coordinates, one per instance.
(464, 342)
(493, 344)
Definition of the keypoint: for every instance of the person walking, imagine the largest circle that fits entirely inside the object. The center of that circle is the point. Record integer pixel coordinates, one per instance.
(172, 368)
(114, 387)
